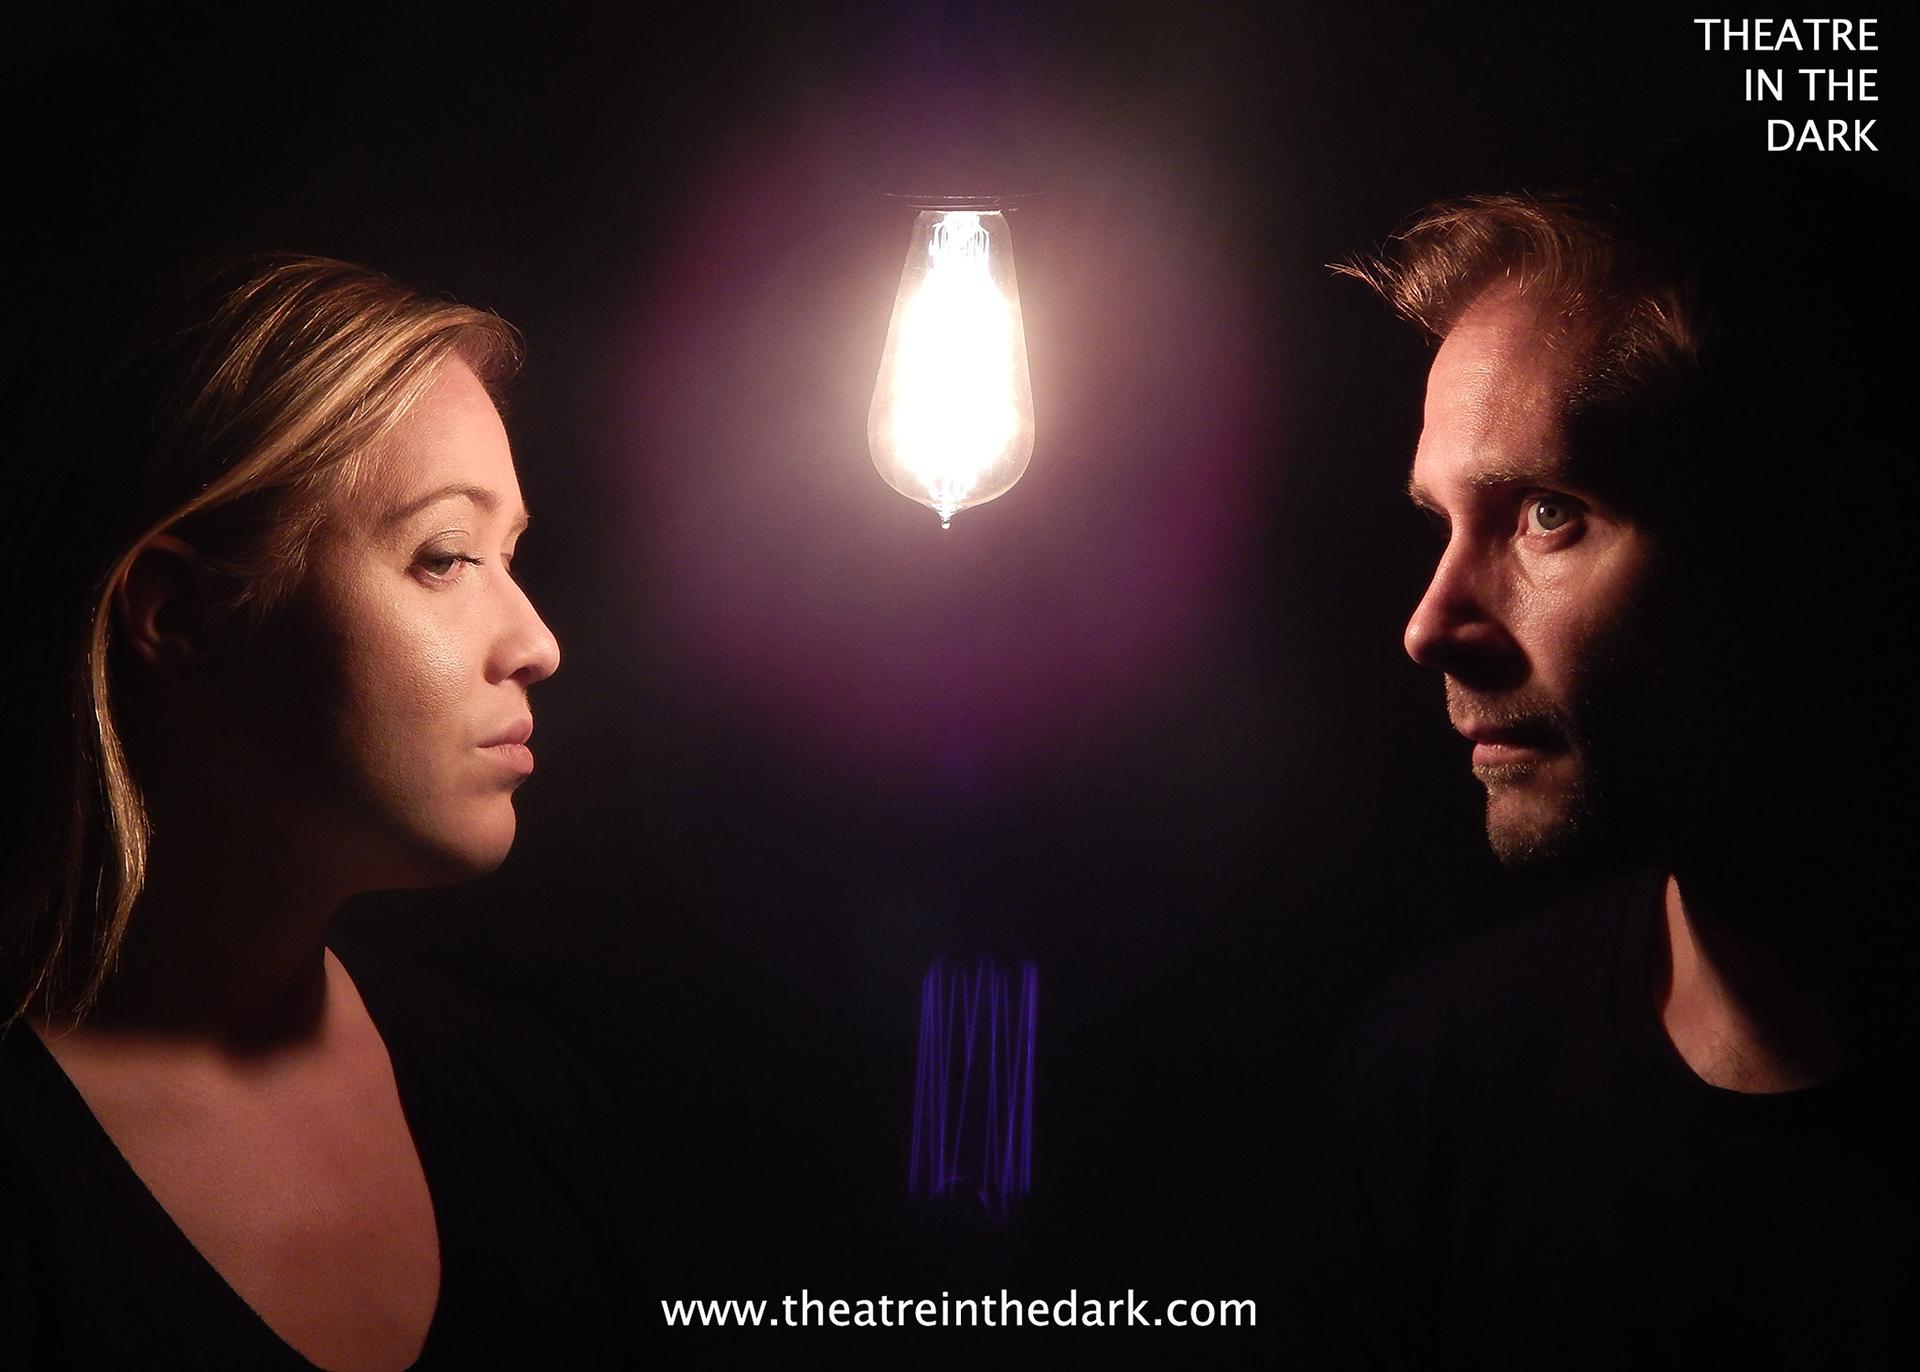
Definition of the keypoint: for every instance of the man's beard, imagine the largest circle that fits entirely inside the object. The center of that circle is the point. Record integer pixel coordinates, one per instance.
(1544, 815)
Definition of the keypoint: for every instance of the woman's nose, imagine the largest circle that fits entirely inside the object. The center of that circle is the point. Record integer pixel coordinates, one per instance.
(527, 650)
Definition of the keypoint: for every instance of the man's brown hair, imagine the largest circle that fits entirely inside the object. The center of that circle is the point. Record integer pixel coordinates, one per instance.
(1603, 279)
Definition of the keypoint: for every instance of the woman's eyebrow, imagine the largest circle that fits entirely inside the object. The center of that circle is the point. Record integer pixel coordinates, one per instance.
(479, 495)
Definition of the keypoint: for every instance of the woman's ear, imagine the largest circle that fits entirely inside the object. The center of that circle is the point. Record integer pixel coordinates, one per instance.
(165, 604)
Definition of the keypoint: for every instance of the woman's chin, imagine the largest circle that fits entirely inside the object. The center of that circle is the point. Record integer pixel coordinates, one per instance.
(448, 856)
(485, 846)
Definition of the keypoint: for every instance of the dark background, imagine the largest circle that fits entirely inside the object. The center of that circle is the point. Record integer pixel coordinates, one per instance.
(1144, 719)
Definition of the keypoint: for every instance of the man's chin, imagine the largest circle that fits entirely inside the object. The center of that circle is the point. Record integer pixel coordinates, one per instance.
(1538, 833)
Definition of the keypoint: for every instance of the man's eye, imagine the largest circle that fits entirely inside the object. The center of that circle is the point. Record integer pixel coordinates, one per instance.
(1547, 513)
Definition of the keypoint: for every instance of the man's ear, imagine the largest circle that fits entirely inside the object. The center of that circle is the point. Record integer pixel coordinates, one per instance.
(165, 604)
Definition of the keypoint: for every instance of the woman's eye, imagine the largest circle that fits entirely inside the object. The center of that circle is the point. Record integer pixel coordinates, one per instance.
(1547, 513)
(440, 566)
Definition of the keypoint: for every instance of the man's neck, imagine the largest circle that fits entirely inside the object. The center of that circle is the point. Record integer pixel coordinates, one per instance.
(1741, 1010)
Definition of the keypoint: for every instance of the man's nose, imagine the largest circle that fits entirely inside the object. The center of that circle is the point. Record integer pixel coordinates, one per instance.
(1457, 629)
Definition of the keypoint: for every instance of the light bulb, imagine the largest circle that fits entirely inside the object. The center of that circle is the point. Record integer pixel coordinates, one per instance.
(952, 418)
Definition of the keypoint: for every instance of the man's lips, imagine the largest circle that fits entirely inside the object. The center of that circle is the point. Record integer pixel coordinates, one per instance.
(1498, 744)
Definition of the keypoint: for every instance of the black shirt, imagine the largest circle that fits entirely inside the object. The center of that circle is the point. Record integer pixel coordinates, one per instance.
(1525, 1173)
(94, 1273)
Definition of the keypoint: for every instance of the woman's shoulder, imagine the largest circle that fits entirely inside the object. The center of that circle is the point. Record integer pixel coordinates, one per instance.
(507, 1119)
(424, 1001)
(444, 1032)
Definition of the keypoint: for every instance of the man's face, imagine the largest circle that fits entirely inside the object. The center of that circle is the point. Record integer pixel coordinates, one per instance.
(1537, 612)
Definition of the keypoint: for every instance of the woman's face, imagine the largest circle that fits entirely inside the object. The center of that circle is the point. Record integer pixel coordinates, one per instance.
(412, 650)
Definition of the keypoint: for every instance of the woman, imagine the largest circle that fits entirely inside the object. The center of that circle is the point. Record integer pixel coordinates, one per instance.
(299, 669)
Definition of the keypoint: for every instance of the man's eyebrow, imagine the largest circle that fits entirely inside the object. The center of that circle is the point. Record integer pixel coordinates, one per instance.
(1542, 471)
(479, 495)
(1547, 471)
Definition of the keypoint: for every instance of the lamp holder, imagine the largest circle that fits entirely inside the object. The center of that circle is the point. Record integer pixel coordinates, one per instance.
(956, 145)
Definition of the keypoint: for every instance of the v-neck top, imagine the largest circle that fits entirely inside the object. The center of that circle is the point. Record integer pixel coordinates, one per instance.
(95, 1273)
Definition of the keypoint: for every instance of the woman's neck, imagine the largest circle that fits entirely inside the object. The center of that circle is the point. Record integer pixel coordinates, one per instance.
(226, 946)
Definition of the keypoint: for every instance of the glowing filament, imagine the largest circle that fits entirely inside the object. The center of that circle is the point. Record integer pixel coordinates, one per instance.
(952, 417)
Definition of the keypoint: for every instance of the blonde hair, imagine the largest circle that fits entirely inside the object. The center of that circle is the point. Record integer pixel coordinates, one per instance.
(228, 410)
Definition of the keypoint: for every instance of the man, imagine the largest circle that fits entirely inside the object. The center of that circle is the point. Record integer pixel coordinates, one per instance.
(1654, 1125)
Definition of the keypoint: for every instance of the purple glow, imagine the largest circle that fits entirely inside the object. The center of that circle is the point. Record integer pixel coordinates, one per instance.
(973, 1094)
(803, 598)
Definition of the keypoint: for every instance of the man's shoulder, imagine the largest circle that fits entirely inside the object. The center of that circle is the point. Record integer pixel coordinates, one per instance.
(1514, 992)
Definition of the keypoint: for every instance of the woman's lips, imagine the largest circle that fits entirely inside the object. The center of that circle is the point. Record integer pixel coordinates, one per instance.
(509, 746)
(517, 756)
